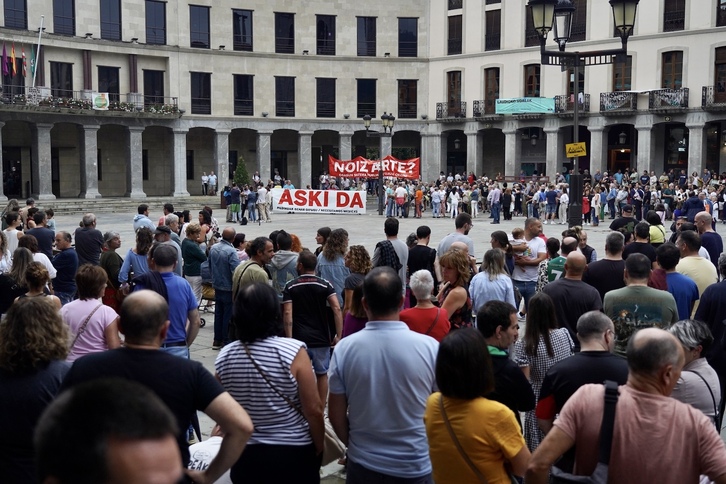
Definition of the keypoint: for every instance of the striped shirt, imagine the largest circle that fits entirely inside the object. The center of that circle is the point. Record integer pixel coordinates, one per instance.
(275, 421)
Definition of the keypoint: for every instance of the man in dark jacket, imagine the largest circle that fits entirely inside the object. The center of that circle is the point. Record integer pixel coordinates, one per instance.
(692, 206)
(497, 321)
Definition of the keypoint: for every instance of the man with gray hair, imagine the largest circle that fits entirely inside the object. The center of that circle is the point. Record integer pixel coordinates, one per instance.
(680, 449)
(172, 221)
(89, 241)
(606, 274)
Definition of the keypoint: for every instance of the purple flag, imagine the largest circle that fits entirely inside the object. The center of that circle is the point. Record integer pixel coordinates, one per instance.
(5, 62)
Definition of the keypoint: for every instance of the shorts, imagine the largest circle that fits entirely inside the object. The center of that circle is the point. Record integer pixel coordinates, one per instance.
(321, 359)
(551, 208)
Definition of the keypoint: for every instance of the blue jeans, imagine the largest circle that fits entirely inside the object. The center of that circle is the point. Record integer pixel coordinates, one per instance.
(252, 211)
(65, 297)
(526, 289)
(182, 351)
(496, 206)
(222, 315)
(437, 207)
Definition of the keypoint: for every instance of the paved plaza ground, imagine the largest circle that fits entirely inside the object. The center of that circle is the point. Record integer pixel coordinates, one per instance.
(364, 230)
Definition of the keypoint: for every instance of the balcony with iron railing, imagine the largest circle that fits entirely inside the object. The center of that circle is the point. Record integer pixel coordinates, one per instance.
(244, 107)
(325, 109)
(713, 98)
(326, 47)
(674, 20)
(285, 109)
(566, 104)
(486, 110)
(407, 111)
(618, 103)
(284, 45)
(452, 110)
(201, 105)
(455, 4)
(668, 99)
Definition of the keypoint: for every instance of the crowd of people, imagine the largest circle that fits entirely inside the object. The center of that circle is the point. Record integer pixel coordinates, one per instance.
(301, 330)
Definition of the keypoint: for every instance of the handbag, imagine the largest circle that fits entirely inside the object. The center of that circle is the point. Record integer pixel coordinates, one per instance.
(462, 452)
(333, 447)
(600, 474)
(82, 329)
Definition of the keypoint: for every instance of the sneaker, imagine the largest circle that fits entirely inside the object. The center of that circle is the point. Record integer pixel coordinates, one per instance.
(217, 345)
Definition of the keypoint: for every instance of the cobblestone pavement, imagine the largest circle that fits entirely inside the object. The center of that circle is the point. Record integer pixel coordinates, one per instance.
(364, 230)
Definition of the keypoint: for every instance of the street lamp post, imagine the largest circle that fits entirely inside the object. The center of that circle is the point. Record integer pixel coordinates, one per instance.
(387, 121)
(556, 15)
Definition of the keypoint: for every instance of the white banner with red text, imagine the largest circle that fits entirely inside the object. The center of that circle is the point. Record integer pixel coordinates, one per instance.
(360, 167)
(318, 201)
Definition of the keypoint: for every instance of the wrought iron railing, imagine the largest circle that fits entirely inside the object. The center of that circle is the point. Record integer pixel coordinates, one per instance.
(566, 104)
(713, 96)
(673, 21)
(325, 109)
(484, 107)
(284, 45)
(326, 47)
(451, 110)
(668, 98)
(244, 107)
(407, 110)
(201, 105)
(618, 101)
(455, 4)
(285, 109)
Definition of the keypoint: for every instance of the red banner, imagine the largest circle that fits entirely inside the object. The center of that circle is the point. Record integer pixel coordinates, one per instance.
(360, 167)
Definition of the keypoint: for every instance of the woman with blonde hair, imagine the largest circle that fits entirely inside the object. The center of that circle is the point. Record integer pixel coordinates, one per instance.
(454, 293)
(358, 261)
(33, 349)
(493, 282)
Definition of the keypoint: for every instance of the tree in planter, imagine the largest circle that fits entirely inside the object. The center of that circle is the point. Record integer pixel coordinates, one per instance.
(241, 176)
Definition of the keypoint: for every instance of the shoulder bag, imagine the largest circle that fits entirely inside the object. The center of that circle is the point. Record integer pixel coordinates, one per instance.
(716, 416)
(600, 474)
(462, 452)
(428, 331)
(82, 329)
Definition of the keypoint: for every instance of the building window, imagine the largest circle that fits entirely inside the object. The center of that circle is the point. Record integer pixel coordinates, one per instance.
(493, 35)
(199, 26)
(455, 4)
(492, 2)
(530, 35)
(61, 79)
(674, 15)
(453, 93)
(578, 32)
(366, 98)
(491, 90)
(153, 87)
(111, 19)
(325, 88)
(720, 74)
(531, 80)
(672, 77)
(244, 95)
(108, 81)
(64, 17)
(455, 37)
(242, 29)
(285, 33)
(155, 22)
(407, 98)
(16, 14)
(201, 92)
(622, 75)
(285, 96)
(407, 37)
(325, 34)
(190, 164)
(367, 36)
(720, 13)
(575, 87)
(13, 85)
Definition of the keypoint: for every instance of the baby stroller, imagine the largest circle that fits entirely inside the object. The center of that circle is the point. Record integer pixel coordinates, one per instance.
(206, 304)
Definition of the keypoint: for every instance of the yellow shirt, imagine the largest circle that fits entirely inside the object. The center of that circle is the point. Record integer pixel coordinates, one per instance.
(486, 430)
(657, 234)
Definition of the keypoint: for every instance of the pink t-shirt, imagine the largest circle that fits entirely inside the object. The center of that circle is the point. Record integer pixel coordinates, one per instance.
(93, 338)
(655, 439)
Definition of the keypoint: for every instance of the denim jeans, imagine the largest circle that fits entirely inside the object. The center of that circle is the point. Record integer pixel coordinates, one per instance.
(252, 212)
(222, 315)
(437, 207)
(526, 289)
(495, 211)
(182, 351)
(65, 297)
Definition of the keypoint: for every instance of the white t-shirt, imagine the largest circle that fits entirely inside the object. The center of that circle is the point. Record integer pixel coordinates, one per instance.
(535, 247)
(201, 455)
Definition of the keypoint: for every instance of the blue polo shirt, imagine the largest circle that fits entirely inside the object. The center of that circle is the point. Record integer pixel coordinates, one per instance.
(386, 372)
(181, 301)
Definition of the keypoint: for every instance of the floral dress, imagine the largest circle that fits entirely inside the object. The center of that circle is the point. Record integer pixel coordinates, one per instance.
(461, 318)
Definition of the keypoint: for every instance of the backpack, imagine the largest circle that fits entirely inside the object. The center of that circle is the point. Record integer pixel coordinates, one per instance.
(244, 221)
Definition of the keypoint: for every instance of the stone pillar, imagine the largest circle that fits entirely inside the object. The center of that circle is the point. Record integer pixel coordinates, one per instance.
(264, 157)
(304, 155)
(2, 193)
(430, 156)
(345, 146)
(89, 162)
(179, 160)
(645, 148)
(474, 161)
(512, 150)
(40, 164)
(598, 149)
(221, 153)
(696, 147)
(554, 152)
(135, 164)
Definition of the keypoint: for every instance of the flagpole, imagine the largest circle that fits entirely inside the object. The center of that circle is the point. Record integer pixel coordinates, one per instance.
(37, 51)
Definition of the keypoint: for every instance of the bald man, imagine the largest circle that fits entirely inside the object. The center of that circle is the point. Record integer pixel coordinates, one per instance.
(572, 296)
(710, 239)
(688, 438)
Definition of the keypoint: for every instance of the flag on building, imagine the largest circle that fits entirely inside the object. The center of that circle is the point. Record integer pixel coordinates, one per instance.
(25, 65)
(12, 58)
(5, 61)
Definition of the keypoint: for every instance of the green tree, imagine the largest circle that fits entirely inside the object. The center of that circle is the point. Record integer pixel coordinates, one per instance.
(241, 176)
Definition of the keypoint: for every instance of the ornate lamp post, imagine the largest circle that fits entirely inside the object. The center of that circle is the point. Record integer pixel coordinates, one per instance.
(556, 15)
(387, 121)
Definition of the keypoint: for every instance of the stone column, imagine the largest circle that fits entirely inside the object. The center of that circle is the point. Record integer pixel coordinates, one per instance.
(221, 153)
(696, 147)
(598, 149)
(2, 193)
(512, 150)
(264, 158)
(304, 155)
(135, 164)
(345, 146)
(474, 162)
(645, 148)
(430, 156)
(89, 162)
(179, 168)
(554, 152)
(40, 164)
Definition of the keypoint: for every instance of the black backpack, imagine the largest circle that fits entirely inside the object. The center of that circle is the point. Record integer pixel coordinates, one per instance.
(243, 221)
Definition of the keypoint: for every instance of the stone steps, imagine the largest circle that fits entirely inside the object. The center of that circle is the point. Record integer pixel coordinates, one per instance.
(69, 206)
